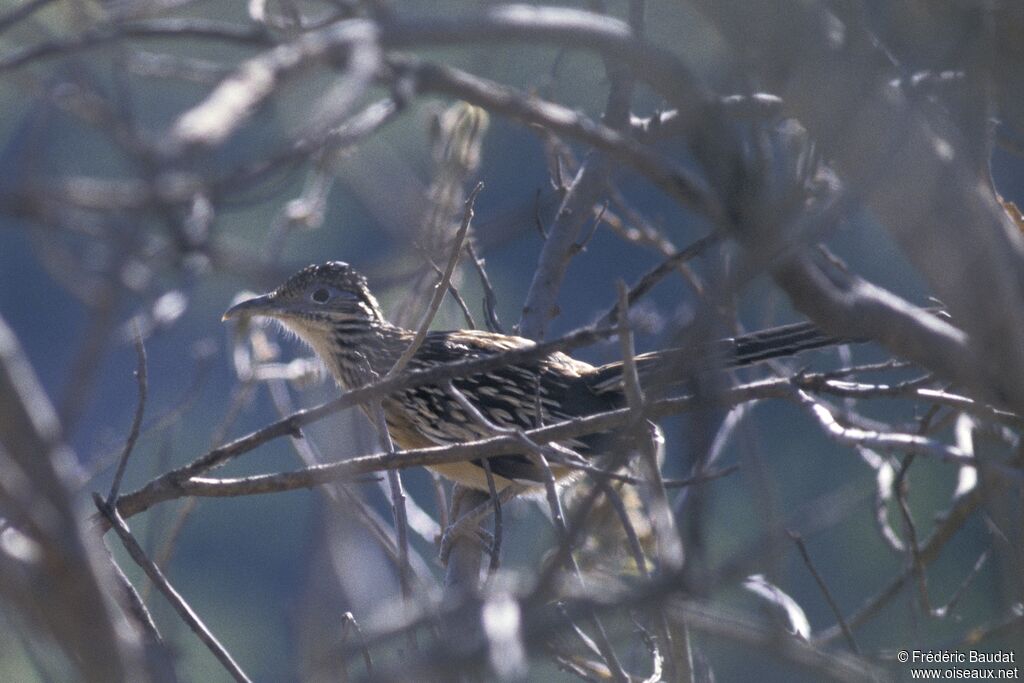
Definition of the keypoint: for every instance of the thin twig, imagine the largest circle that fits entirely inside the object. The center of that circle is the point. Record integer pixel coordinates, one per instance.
(343, 493)
(460, 543)
(701, 477)
(186, 613)
(490, 300)
(397, 503)
(632, 539)
(893, 441)
(441, 500)
(560, 247)
(802, 547)
(550, 488)
(440, 289)
(598, 219)
(670, 549)
(136, 606)
(348, 621)
(900, 487)
(468, 521)
(457, 296)
(140, 407)
(945, 610)
(164, 553)
(498, 527)
(241, 395)
(630, 378)
(952, 521)
(656, 274)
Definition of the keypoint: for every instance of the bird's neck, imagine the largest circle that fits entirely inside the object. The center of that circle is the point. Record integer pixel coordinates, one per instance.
(361, 352)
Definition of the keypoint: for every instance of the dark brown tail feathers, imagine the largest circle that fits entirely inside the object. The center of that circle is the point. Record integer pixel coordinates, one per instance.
(657, 367)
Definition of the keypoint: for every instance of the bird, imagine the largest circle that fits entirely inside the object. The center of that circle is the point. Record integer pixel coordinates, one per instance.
(330, 307)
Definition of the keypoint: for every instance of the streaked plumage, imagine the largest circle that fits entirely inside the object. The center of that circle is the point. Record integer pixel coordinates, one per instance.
(331, 308)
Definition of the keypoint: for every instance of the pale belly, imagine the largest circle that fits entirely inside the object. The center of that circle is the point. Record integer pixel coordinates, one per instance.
(469, 475)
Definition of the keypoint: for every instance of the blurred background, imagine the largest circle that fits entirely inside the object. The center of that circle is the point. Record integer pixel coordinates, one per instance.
(103, 233)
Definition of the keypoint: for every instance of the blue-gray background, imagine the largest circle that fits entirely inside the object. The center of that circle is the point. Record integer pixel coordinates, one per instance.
(253, 566)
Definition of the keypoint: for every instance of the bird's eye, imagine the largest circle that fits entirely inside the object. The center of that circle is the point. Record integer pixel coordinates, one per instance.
(321, 296)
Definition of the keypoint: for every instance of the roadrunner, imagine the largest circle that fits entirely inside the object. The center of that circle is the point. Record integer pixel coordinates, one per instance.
(330, 307)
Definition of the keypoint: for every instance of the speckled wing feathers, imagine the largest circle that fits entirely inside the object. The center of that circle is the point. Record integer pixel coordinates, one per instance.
(520, 396)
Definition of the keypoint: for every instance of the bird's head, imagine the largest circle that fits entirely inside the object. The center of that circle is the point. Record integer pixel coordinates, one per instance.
(317, 298)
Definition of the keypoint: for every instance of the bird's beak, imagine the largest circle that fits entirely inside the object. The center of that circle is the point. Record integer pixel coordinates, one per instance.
(260, 305)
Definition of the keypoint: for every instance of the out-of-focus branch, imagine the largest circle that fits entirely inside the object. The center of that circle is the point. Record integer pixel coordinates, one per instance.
(950, 523)
(462, 555)
(756, 106)
(846, 305)
(679, 183)
(20, 13)
(235, 99)
(569, 28)
(155, 28)
(586, 189)
(54, 559)
(540, 626)
(914, 170)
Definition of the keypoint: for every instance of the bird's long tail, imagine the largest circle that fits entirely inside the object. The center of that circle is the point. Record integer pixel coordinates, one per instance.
(659, 367)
